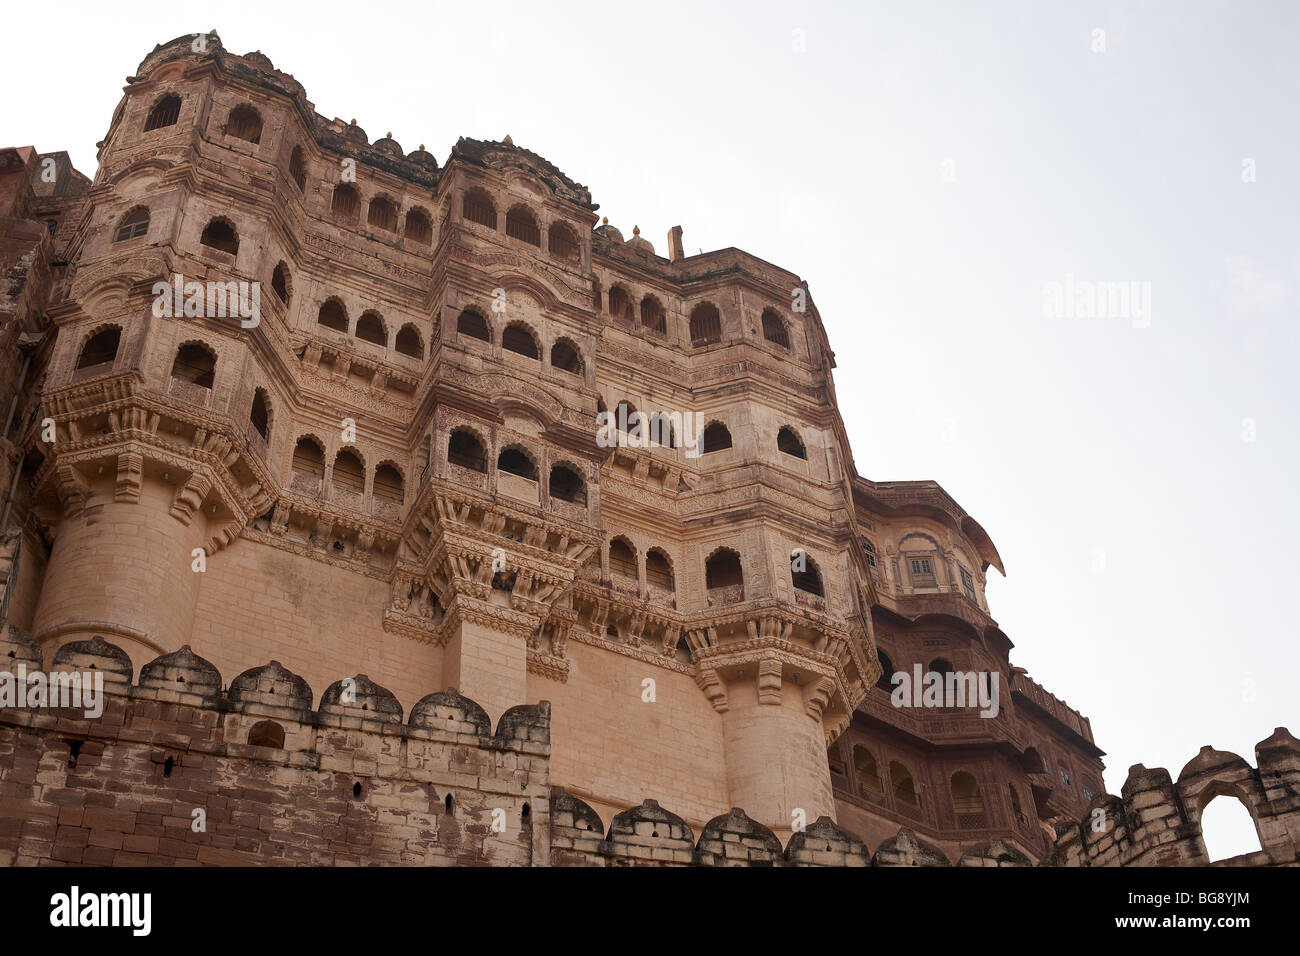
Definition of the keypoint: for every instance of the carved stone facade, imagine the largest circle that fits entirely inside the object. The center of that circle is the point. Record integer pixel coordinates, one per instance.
(395, 464)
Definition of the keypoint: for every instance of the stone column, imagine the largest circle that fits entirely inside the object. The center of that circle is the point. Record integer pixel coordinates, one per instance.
(121, 567)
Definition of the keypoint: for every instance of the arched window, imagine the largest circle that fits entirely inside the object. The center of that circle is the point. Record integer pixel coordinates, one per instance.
(566, 357)
(835, 760)
(260, 414)
(133, 225)
(716, 438)
(244, 123)
(706, 324)
(940, 665)
(196, 364)
(788, 443)
(520, 224)
(165, 113)
(653, 316)
(266, 733)
(774, 329)
(348, 471)
(563, 242)
(220, 234)
(100, 348)
(382, 214)
(370, 328)
(809, 579)
(903, 785)
(408, 341)
(280, 282)
(567, 485)
(620, 305)
(886, 681)
(465, 449)
(332, 315)
(388, 484)
(418, 227)
(722, 570)
(627, 419)
(516, 461)
(865, 768)
(478, 207)
(346, 202)
(298, 168)
(1227, 827)
(622, 558)
(308, 459)
(967, 800)
(662, 431)
(658, 569)
(1032, 761)
(518, 339)
(473, 325)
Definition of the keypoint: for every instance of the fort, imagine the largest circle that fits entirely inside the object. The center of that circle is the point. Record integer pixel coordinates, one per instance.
(536, 647)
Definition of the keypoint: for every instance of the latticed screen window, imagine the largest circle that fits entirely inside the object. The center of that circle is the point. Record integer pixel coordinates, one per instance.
(869, 550)
(968, 584)
(922, 573)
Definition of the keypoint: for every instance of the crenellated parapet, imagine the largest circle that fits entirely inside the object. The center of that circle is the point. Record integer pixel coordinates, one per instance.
(252, 774)
(1156, 821)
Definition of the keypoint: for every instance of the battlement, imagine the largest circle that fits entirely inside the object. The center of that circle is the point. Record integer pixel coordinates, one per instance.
(1157, 822)
(178, 769)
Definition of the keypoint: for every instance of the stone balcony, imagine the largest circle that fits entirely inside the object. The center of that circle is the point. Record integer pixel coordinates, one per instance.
(518, 488)
(189, 392)
(731, 594)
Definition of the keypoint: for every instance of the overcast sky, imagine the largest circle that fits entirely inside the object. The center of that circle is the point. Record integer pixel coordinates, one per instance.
(930, 169)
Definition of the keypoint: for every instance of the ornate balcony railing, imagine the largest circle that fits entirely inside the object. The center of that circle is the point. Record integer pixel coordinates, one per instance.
(731, 594)
(307, 484)
(188, 391)
(255, 441)
(388, 510)
(347, 497)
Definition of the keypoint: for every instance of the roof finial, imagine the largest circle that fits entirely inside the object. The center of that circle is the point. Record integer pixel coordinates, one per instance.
(421, 147)
(354, 121)
(636, 230)
(508, 141)
(604, 220)
(388, 135)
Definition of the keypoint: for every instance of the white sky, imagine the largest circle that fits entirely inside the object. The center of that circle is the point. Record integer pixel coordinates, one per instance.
(1061, 436)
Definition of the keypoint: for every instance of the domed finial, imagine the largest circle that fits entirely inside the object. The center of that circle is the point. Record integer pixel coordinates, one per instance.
(354, 121)
(422, 147)
(604, 220)
(508, 141)
(388, 135)
(636, 230)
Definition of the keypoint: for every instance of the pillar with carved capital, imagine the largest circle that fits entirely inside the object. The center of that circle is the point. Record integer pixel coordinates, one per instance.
(122, 564)
(777, 685)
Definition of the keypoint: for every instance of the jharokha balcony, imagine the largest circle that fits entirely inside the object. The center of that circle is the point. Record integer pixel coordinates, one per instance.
(730, 594)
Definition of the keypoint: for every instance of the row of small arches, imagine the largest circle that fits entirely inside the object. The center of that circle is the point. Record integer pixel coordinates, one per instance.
(519, 338)
(370, 327)
(723, 569)
(967, 796)
(562, 240)
(657, 428)
(465, 449)
(381, 212)
(348, 470)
